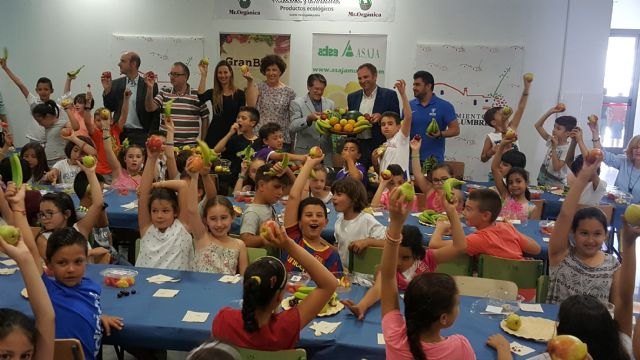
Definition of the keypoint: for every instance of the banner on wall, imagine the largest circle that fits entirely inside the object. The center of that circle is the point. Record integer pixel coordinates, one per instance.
(473, 78)
(337, 57)
(248, 49)
(316, 10)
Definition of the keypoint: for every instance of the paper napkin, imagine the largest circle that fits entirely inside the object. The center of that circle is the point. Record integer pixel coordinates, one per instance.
(8, 262)
(230, 279)
(9, 271)
(543, 356)
(166, 293)
(194, 316)
(324, 327)
(161, 279)
(381, 339)
(131, 205)
(531, 307)
(520, 349)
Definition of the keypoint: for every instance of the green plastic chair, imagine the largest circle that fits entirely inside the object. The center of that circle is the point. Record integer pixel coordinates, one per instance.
(458, 267)
(250, 354)
(366, 262)
(524, 273)
(255, 253)
(542, 289)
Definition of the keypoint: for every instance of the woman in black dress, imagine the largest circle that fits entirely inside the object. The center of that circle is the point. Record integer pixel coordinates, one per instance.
(225, 99)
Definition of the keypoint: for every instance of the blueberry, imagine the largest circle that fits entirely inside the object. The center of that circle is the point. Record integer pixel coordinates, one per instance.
(133, 292)
(119, 295)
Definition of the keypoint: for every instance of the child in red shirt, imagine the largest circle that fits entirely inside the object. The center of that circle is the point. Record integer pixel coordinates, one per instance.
(256, 326)
(502, 240)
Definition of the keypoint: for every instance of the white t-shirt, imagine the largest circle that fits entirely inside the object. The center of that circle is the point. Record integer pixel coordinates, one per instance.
(362, 227)
(35, 132)
(561, 150)
(397, 152)
(68, 171)
(592, 197)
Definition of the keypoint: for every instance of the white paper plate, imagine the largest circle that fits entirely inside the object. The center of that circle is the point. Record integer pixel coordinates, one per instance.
(532, 328)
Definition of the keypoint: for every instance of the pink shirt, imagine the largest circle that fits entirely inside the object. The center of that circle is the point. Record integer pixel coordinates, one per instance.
(394, 329)
(428, 264)
(125, 181)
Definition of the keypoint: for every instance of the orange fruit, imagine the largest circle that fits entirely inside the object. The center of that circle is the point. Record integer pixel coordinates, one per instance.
(352, 122)
(348, 128)
(337, 127)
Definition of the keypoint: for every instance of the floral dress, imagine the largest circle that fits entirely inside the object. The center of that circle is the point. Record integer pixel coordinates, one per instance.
(217, 259)
(273, 105)
(513, 210)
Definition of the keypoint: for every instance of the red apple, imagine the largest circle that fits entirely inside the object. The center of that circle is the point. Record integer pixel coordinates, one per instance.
(324, 116)
(417, 137)
(88, 161)
(267, 228)
(195, 163)
(106, 74)
(154, 143)
(594, 155)
(9, 234)
(367, 116)
(592, 119)
(566, 347)
(315, 152)
(561, 107)
(386, 174)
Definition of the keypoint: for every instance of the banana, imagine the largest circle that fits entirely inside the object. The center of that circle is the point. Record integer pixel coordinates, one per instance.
(361, 128)
(16, 169)
(362, 122)
(323, 124)
(306, 289)
(319, 129)
(448, 186)
(208, 155)
(74, 73)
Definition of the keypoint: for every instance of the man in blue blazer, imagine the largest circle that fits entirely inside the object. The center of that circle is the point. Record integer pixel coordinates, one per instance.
(373, 100)
(304, 111)
(139, 121)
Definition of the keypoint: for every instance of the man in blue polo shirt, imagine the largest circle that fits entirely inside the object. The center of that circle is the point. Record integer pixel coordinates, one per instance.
(427, 106)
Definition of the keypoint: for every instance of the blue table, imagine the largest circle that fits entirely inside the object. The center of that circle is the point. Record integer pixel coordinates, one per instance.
(156, 322)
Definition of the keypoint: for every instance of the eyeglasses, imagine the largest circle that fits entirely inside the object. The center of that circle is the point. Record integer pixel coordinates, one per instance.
(171, 74)
(47, 214)
(440, 181)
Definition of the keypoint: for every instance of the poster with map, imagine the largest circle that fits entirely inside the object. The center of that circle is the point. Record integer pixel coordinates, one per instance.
(473, 78)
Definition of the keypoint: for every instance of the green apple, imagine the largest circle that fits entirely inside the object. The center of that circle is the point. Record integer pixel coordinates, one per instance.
(386, 174)
(528, 77)
(513, 322)
(88, 161)
(632, 214)
(9, 234)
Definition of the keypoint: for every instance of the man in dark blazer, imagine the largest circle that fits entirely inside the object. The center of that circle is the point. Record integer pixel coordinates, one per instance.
(373, 100)
(139, 121)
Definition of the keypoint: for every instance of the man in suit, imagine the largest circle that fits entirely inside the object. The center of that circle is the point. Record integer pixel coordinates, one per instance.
(304, 111)
(139, 121)
(372, 100)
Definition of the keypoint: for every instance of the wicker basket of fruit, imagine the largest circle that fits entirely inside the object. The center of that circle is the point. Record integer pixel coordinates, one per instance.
(342, 122)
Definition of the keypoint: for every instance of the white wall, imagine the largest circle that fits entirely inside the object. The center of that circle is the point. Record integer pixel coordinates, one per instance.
(51, 37)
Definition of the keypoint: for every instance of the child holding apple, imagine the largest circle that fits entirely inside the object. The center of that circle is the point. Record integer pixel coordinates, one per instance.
(127, 165)
(431, 185)
(256, 325)
(47, 115)
(553, 171)
(596, 189)
(580, 266)
(414, 260)
(396, 131)
(165, 226)
(271, 138)
(75, 298)
(392, 177)
(97, 133)
(304, 220)
(64, 171)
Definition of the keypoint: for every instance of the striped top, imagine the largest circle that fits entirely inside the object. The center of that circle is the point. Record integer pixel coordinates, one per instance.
(187, 112)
